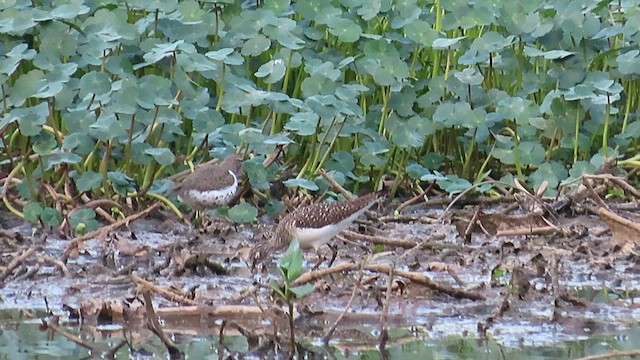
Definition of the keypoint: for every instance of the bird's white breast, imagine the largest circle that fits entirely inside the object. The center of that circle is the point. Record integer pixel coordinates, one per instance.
(317, 237)
(217, 196)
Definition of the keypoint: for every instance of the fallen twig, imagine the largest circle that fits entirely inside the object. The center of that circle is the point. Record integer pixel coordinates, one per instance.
(154, 326)
(335, 185)
(415, 198)
(543, 230)
(57, 263)
(408, 218)
(611, 355)
(401, 243)
(405, 244)
(75, 243)
(171, 296)
(219, 311)
(17, 262)
(384, 269)
(70, 337)
(332, 329)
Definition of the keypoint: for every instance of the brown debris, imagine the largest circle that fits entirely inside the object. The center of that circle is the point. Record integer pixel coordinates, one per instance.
(16, 262)
(622, 230)
(102, 232)
(384, 269)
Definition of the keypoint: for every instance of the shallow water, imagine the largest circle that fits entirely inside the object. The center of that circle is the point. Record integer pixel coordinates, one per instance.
(22, 338)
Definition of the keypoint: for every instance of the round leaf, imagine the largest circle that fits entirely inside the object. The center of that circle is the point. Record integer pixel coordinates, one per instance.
(243, 213)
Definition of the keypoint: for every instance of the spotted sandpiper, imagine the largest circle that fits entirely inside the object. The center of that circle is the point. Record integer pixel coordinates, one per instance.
(314, 225)
(211, 185)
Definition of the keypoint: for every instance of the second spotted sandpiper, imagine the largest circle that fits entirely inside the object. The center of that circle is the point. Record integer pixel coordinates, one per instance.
(314, 225)
(211, 185)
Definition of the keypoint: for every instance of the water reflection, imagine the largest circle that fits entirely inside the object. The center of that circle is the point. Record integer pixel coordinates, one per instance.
(22, 336)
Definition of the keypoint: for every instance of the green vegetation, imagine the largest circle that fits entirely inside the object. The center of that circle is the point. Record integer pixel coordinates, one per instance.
(106, 99)
(290, 267)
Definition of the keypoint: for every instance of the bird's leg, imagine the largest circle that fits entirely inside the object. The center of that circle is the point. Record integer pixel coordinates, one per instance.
(196, 221)
(334, 254)
(321, 259)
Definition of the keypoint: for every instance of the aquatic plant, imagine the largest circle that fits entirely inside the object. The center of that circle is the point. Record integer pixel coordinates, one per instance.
(105, 100)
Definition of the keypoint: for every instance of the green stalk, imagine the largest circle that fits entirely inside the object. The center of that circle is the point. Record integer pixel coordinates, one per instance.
(6, 201)
(331, 145)
(127, 146)
(484, 165)
(316, 153)
(605, 132)
(466, 167)
(386, 93)
(576, 136)
(627, 105)
(221, 87)
(438, 27)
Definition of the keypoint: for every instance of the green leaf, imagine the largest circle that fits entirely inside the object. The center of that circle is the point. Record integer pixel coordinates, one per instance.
(469, 76)
(97, 83)
(44, 143)
(256, 45)
(276, 288)
(84, 219)
(273, 71)
(163, 156)
(345, 29)
(89, 180)
(243, 213)
(291, 262)
(303, 123)
(443, 43)
(32, 211)
(51, 217)
(121, 183)
(259, 176)
(301, 183)
(454, 184)
(302, 290)
(60, 157)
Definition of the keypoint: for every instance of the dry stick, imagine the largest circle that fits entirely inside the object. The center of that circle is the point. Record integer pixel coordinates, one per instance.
(154, 325)
(70, 336)
(541, 230)
(273, 156)
(401, 243)
(95, 204)
(218, 311)
(611, 355)
(455, 277)
(57, 263)
(472, 224)
(617, 180)
(335, 185)
(162, 291)
(111, 354)
(405, 244)
(75, 243)
(384, 335)
(328, 334)
(626, 187)
(415, 198)
(595, 195)
(603, 212)
(17, 262)
(463, 193)
(384, 269)
(423, 219)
